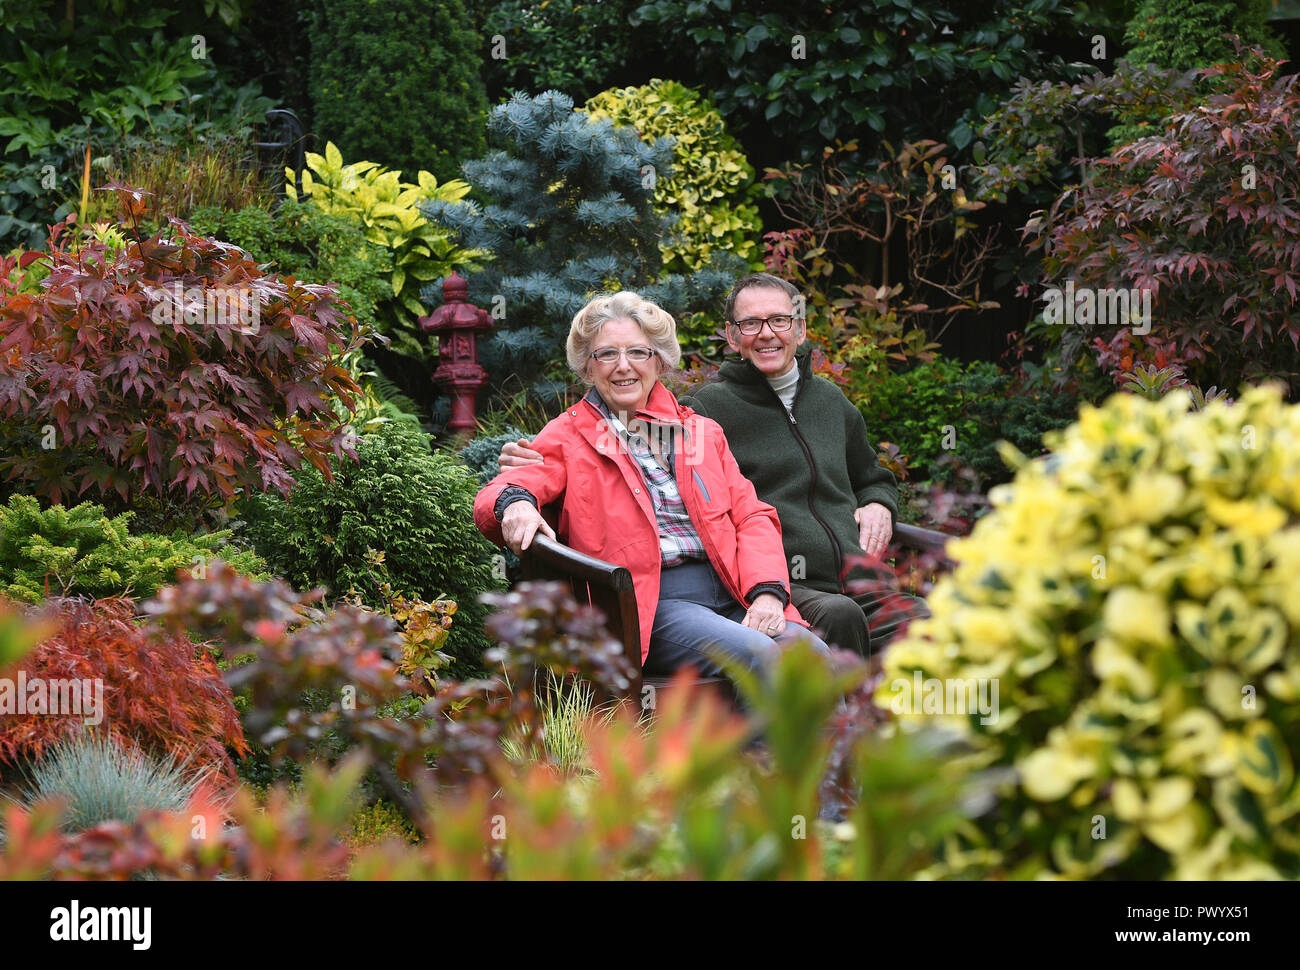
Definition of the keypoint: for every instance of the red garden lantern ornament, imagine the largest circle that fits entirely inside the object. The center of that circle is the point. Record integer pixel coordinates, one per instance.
(458, 370)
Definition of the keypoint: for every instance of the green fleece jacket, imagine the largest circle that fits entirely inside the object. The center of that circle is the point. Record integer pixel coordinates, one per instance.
(815, 469)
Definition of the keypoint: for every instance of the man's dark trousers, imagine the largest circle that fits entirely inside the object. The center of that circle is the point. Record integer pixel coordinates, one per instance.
(864, 622)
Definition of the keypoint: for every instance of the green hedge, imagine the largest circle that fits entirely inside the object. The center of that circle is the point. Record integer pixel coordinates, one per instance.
(399, 81)
(945, 407)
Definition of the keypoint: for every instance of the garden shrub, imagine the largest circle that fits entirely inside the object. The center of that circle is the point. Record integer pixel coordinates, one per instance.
(566, 211)
(173, 367)
(483, 454)
(1186, 34)
(98, 780)
(946, 408)
(1034, 135)
(913, 409)
(27, 206)
(420, 61)
(80, 551)
(901, 70)
(62, 86)
(398, 499)
(1200, 216)
(162, 694)
(563, 45)
(712, 184)
(297, 239)
(423, 628)
(389, 211)
(1137, 602)
(1002, 408)
(377, 822)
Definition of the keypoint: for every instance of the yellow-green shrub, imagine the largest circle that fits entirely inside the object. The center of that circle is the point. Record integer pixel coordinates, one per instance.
(1137, 600)
(375, 823)
(712, 184)
(387, 207)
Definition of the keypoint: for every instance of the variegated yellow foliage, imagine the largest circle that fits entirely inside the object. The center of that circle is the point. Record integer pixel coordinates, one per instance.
(1137, 597)
(388, 208)
(711, 188)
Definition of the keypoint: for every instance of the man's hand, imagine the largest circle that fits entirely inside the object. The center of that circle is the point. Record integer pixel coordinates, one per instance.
(515, 454)
(520, 522)
(766, 615)
(875, 528)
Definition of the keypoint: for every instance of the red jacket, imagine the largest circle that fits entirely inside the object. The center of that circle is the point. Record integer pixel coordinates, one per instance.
(608, 514)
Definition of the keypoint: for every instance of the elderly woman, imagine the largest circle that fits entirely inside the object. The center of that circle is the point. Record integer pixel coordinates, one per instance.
(650, 485)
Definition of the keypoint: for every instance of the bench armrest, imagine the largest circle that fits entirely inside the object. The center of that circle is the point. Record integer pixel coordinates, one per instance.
(569, 561)
(604, 585)
(915, 537)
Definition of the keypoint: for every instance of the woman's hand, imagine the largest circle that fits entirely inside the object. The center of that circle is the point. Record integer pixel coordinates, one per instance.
(516, 454)
(520, 522)
(766, 615)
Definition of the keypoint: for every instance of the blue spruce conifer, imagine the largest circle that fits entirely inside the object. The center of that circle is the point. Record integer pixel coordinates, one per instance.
(565, 206)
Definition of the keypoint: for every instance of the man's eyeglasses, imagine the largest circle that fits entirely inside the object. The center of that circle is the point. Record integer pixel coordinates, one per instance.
(752, 325)
(637, 355)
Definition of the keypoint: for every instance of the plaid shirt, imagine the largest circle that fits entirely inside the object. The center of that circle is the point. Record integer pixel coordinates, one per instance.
(678, 540)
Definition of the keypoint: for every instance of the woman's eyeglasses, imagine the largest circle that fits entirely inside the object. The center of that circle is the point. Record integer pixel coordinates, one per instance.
(752, 325)
(637, 355)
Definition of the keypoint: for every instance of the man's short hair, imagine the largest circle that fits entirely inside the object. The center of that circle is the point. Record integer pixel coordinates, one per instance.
(766, 280)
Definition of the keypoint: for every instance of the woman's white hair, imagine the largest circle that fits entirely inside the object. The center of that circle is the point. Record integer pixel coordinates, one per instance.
(657, 324)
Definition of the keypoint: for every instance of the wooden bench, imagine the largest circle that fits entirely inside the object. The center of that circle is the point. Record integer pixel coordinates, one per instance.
(609, 588)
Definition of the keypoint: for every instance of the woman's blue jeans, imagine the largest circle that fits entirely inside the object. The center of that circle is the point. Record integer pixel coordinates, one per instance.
(696, 611)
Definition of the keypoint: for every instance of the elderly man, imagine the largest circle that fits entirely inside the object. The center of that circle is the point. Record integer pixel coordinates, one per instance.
(804, 446)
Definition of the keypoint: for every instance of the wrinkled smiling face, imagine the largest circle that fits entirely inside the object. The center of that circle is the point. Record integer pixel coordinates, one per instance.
(772, 353)
(624, 384)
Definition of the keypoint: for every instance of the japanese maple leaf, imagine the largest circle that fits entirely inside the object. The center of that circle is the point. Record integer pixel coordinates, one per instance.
(84, 385)
(302, 397)
(308, 333)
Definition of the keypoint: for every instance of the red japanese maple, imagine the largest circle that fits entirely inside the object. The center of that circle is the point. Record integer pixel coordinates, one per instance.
(161, 693)
(1204, 216)
(173, 366)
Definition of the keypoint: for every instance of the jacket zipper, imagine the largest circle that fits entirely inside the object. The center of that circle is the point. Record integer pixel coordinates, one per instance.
(812, 466)
(710, 551)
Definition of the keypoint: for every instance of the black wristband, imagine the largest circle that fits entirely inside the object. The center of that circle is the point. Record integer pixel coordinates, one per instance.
(511, 494)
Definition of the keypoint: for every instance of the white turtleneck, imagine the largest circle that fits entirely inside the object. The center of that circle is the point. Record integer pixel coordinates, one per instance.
(785, 386)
